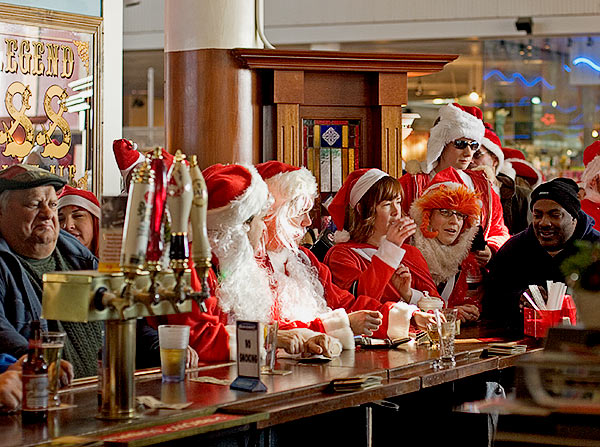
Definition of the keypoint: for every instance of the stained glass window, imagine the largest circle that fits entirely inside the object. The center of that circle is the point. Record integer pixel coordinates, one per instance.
(330, 150)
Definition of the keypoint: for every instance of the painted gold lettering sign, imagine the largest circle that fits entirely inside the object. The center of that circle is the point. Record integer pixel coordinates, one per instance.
(44, 137)
(38, 58)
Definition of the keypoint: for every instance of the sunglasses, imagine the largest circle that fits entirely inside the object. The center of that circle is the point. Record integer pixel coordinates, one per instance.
(449, 213)
(462, 144)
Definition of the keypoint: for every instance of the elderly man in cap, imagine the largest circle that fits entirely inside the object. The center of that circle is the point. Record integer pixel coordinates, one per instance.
(31, 244)
(535, 255)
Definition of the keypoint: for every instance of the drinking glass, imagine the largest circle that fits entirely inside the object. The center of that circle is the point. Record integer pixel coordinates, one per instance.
(448, 334)
(173, 340)
(52, 349)
(270, 335)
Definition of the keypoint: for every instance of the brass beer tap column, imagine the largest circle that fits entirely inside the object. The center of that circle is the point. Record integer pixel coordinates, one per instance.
(118, 353)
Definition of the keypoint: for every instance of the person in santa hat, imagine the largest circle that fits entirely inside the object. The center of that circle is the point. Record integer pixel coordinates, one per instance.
(454, 138)
(79, 215)
(373, 258)
(591, 182)
(523, 172)
(300, 274)
(447, 216)
(241, 287)
(514, 198)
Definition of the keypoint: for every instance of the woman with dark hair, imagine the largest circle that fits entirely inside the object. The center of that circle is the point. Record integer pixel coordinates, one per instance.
(374, 259)
(79, 215)
(447, 215)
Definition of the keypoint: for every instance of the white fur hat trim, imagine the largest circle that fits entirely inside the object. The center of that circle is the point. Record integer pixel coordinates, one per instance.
(81, 202)
(496, 150)
(364, 183)
(291, 184)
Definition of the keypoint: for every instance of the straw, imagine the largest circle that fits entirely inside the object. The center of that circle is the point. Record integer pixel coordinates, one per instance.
(531, 301)
(537, 296)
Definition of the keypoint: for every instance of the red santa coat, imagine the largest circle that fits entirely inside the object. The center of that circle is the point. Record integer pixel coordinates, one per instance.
(492, 220)
(592, 209)
(350, 263)
(396, 315)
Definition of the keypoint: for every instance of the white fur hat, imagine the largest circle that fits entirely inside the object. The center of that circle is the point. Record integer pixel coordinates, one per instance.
(454, 121)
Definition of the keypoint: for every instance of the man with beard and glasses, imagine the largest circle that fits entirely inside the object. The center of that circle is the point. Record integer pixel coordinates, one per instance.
(536, 254)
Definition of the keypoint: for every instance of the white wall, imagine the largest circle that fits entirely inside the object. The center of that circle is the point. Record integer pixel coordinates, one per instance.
(318, 21)
(112, 83)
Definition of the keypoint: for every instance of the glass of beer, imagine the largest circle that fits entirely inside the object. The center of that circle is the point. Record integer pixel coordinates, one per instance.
(52, 350)
(173, 340)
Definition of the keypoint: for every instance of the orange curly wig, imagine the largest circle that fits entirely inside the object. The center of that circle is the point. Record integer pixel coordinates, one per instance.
(459, 198)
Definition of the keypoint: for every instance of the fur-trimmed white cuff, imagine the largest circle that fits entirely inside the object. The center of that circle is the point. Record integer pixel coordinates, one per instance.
(415, 296)
(390, 253)
(399, 320)
(337, 324)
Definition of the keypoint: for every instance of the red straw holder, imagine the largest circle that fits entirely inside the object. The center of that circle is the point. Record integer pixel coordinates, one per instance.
(537, 322)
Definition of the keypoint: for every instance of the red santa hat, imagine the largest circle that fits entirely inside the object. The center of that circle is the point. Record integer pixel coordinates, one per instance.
(127, 155)
(492, 143)
(354, 188)
(287, 182)
(235, 194)
(446, 191)
(591, 160)
(515, 164)
(453, 122)
(81, 198)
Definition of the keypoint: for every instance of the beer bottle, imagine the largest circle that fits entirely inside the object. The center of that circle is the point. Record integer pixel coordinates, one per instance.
(35, 379)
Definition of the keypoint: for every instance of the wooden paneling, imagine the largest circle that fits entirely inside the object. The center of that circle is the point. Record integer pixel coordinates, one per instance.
(391, 140)
(393, 89)
(288, 133)
(288, 86)
(340, 89)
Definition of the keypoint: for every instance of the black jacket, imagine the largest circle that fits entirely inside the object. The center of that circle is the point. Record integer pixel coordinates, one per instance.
(522, 261)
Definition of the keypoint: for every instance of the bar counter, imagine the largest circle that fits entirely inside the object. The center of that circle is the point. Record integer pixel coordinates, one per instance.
(217, 409)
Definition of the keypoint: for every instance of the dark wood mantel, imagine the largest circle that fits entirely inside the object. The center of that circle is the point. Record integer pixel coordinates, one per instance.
(247, 105)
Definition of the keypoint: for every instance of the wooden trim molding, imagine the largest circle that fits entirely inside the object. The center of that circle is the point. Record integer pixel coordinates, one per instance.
(412, 64)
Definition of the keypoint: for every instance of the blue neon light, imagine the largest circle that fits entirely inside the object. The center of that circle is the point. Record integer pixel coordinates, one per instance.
(587, 61)
(567, 68)
(577, 118)
(518, 77)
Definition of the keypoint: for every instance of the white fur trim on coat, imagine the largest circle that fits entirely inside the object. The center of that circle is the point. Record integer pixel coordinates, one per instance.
(254, 199)
(390, 253)
(454, 123)
(337, 324)
(399, 320)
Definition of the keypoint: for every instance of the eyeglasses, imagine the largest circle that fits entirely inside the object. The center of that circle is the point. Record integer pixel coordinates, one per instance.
(462, 144)
(449, 213)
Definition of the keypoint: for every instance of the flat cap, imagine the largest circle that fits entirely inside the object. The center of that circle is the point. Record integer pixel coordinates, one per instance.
(22, 176)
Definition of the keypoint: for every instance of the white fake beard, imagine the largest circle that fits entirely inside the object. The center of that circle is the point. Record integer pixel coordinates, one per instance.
(592, 194)
(243, 289)
(299, 290)
(444, 260)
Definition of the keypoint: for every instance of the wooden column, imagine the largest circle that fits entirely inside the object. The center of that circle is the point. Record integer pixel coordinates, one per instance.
(211, 107)
(392, 95)
(288, 94)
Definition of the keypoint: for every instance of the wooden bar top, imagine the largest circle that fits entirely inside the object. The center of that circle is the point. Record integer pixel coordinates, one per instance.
(303, 392)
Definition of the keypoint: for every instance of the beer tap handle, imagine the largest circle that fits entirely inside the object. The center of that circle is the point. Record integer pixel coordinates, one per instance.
(155, 240)
(137, 220)
(201, 251)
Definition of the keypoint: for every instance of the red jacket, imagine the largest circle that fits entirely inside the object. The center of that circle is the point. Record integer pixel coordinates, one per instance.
(373, 277)
(592, 209)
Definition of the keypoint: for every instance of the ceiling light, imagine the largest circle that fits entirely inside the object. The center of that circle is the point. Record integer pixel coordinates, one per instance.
(438, 101)
(554, 103)
(536, 100)
(595, 133)
(474, 96)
